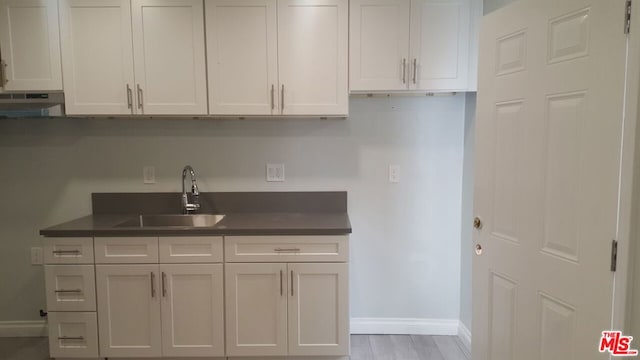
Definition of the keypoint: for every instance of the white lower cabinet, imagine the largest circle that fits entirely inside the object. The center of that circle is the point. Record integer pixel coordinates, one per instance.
(160, 310)
(296, 309)
(73, 335)
(129, 310)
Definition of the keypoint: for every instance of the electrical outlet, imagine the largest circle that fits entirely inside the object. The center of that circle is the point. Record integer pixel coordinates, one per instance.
(149, 174)
(36, 256)
(394, 173)
(275, 172)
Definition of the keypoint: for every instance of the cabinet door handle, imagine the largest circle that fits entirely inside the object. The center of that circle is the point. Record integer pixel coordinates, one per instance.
(291, 282)
(71, 338)
(415, 70)
(164, 284)
(66, 252)
(77, 291)
(404, 71)
(273, 90)
(129, 98)
(153, 284)
(286, 250)
(140, 96)
(282, 99)
(281, 287)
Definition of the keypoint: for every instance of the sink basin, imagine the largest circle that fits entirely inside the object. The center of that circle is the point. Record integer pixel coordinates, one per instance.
(195, 220)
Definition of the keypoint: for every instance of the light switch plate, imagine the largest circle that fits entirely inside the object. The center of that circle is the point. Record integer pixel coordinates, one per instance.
(149, 174)
(275, 172)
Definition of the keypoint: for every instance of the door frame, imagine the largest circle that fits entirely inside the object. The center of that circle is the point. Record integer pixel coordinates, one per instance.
(629, 188)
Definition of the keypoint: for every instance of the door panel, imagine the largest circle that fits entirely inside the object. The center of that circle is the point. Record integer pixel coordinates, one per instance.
(168, 39)
(548, 142)
(97, 56)
(379, 45)
(318, 309)
(242, 57)
(30, 45)
(129, 310)
(256, 309)
(313, 56)
(192, 310)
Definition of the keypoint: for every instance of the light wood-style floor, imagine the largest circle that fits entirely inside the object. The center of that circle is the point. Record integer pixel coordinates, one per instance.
(363, 347)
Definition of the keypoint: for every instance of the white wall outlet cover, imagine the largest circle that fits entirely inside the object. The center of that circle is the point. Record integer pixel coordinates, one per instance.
(394, 173)
(36, 256)
(275, 172)
(149, 174)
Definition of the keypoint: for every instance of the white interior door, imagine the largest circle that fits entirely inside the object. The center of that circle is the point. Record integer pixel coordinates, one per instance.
(192, 310)
(97, 57)
(30, 45)
(256, 309)
(129, 310)
(548, 140)
(169, 55)
(242, 57)
(313, 56)
(379, 45)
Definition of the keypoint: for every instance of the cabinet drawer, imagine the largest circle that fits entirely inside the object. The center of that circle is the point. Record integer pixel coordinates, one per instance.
(68, 250)
(126, 250)
(73, 335)
(286, 248)
(70, 287)
(190, 249)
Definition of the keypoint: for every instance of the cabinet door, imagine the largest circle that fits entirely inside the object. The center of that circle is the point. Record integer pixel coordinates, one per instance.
(439, 44)
(168, 47)
(379, 45)
(242, 57)
(318, 309)
(192, 310)
(129, 310)
(97, 58)
(30, 45)
(313, 56)
(256, 309)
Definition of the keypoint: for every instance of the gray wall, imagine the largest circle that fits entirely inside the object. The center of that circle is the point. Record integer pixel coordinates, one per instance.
(491, 5)
(467, 212)
(405, 248)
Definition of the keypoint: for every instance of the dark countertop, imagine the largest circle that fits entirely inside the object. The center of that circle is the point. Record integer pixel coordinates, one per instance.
(317, 223)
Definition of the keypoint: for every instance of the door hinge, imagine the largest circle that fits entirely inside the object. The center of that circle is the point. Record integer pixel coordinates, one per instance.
(627, 17)
(614, 255)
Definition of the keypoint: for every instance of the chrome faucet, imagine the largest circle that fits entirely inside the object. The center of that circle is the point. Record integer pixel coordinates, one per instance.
(195, 205)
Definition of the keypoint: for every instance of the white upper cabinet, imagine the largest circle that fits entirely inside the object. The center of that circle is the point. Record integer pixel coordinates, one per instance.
(439, 44)
(97, 57)
(379, 45)
(420, 45)
(169, 56)
(313, 56)
(242, 57)
(29, 45)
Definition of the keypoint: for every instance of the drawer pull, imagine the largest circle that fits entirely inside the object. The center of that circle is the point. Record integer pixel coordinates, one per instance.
(77, 291)
(81, 338)
(286, 250)
(67, 252)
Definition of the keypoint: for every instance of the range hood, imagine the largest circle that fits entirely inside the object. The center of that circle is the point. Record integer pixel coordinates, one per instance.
(30, 100)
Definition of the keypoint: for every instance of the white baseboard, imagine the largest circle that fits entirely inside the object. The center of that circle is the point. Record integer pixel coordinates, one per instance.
(404, 326)
(465, 336)
(35, 328)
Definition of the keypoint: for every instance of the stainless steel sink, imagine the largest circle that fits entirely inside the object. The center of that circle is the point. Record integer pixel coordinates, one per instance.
(173, 220)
